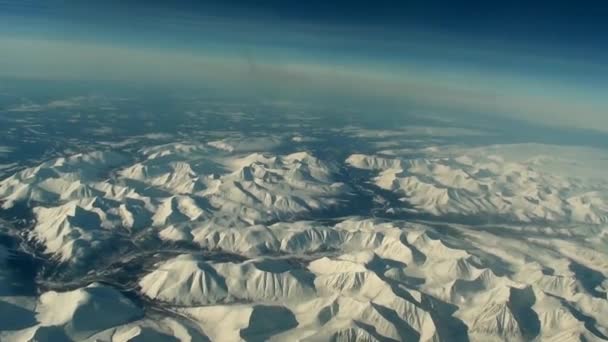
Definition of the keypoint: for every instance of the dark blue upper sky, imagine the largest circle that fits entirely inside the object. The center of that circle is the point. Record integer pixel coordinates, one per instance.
(571, 27)
(515, 36)
(552, 20)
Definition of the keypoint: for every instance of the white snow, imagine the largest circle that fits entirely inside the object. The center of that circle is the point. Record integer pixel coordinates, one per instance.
(232, 250)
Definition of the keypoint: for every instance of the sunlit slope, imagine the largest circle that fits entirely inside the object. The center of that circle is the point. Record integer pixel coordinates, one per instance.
(192, 242)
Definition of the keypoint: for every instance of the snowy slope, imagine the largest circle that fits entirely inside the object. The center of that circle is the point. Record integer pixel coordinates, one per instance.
(476, 184)
(218, 242)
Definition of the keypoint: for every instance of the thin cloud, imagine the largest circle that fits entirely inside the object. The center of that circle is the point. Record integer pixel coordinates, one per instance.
(449, 91)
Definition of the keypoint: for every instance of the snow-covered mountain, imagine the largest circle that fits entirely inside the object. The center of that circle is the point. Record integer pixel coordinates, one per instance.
(200, 242)
(485, 185)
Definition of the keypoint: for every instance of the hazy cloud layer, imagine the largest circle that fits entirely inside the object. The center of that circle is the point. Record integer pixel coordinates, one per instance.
(445, 90)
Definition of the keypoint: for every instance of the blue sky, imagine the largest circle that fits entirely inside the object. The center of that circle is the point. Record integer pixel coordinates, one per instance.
(544, 61)
(562, 25)
(498, 34)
